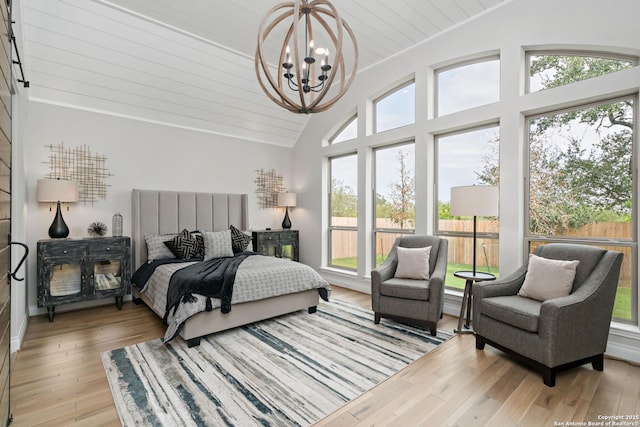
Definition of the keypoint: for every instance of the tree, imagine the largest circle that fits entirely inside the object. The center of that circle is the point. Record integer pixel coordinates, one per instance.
(344, 201)
(402, 195)
(578, 183)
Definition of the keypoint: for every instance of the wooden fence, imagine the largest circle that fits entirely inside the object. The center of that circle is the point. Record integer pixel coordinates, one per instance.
(344, 243)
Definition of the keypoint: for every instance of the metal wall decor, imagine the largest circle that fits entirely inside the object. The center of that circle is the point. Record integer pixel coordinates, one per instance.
(80, 165)
(268, 185)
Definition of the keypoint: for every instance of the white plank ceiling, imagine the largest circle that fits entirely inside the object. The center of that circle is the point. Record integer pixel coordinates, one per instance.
(190, 63)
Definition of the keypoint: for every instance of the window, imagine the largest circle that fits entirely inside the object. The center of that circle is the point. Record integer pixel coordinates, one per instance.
(395, 210)
(396, 109)
(467, 158)
(581, 182)
(343, 227)
(468, 86)
(347, 132)
(548, 70)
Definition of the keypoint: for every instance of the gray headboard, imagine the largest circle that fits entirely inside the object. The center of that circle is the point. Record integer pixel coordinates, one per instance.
(160, 212)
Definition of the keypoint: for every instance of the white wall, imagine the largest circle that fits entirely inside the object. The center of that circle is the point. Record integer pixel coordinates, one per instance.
(507, 30)
(139, 155)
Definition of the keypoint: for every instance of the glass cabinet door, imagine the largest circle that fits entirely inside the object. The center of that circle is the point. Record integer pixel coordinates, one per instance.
(107, 275)
(65, 279)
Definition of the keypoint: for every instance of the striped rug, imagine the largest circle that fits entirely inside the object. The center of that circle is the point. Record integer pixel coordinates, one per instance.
(288, 371)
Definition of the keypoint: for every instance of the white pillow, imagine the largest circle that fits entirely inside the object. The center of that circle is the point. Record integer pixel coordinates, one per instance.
(413, 263)
(217, 244)
(548, 278)
(156, 249)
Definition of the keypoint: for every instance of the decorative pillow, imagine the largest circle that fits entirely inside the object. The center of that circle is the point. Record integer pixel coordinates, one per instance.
(239, 239)
(198, 236)
(548, 278)
(413, 263)
(217, 244)
(184, 245)
(156, 249)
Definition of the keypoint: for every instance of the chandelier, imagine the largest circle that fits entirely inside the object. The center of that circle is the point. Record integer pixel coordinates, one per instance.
(304, 75)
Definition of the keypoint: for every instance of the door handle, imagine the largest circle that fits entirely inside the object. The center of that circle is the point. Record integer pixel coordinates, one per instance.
(24, 258)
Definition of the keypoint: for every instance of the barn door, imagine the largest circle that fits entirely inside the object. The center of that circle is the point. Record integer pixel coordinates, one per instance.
(5, 213)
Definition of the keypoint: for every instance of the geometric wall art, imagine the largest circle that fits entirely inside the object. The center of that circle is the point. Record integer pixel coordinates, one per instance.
(80, 165)
(268, 185)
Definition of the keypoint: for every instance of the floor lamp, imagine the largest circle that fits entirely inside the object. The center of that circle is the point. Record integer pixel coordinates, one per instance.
(474, 200)
(57, 191)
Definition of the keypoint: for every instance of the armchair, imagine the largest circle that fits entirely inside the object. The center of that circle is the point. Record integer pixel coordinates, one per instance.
(411, 300)
(559, 333)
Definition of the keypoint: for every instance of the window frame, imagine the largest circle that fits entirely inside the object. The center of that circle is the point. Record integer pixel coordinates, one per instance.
(571, 52)
(375, 101)
(331, 228)
(374, 229)
(341, 129)
(631, 244)
(436, 217)
(436, 79)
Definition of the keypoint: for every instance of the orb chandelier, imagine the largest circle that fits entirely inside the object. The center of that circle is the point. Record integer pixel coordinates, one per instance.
(303, 78)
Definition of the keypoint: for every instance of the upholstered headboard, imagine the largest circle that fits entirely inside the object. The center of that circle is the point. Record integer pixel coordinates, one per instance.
(161, 212)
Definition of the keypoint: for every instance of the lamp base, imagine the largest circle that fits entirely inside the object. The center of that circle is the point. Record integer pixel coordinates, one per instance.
(286, 222)
(58, 229)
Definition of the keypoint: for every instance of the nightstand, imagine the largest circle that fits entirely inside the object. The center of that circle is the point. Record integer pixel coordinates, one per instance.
(73, 270)
(278, 243)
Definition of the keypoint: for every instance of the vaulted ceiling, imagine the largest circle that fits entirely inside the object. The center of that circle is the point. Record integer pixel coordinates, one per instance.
(190, 63)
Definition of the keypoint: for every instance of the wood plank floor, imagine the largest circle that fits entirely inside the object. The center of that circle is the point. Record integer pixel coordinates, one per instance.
(58, 379)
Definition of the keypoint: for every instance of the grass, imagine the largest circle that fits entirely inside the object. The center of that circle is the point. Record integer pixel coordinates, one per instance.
(621, 307)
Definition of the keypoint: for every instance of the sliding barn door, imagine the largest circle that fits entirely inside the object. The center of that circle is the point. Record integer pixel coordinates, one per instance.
(5, 214)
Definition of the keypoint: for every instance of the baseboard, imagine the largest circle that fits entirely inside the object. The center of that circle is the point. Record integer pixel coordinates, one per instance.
(16, 340)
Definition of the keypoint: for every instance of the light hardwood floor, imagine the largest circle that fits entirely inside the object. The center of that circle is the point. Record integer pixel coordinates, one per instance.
(58, 379)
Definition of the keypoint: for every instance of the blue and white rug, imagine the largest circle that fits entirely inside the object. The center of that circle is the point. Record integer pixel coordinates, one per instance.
(288, 371)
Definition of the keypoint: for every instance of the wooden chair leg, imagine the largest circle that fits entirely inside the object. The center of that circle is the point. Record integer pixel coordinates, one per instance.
(376, 318)
(479, 342)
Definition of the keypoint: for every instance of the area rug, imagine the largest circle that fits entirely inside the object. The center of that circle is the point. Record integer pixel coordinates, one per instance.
(288, 371)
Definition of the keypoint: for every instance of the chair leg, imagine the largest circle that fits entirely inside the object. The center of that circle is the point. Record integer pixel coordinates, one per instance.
(376, 317)
(598, 362)
(549, 376)
(479, 342)
(433, 328)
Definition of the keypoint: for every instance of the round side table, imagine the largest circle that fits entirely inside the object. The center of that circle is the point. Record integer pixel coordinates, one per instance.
(470, 278)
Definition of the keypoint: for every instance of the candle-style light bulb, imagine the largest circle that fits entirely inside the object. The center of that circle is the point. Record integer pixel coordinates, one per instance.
(287, 58)
(311, 49)
(326, 56)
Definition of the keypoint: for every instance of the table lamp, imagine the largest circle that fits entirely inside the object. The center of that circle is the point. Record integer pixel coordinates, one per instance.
(474, 200)
(286, 200)
(57, 191)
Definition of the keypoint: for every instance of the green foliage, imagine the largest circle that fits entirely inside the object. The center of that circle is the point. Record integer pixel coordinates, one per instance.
(581, 183)
(344, 201)
(402, 203)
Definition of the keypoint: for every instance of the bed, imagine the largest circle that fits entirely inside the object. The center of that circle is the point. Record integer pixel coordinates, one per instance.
(157, 213)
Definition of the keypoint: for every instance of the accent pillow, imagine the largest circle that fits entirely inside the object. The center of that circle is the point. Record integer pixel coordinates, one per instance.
(156, 249)
(184, 245)
(413, 263)
(548, 278)
(217, 244)
(239, 240)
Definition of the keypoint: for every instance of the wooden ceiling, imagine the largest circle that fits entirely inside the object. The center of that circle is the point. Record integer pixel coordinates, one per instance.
(190, 63)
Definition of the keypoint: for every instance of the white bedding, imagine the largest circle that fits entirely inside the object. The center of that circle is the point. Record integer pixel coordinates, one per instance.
(258, 277)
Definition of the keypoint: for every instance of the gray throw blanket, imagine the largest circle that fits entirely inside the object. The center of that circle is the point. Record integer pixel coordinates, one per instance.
(213, 278)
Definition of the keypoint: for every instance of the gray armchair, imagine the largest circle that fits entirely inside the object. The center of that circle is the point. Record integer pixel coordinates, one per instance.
(559, 333)
(411, 300)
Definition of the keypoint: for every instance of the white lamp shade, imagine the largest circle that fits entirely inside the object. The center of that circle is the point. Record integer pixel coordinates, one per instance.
(287, 199)
(474, 200)
(57, 190)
